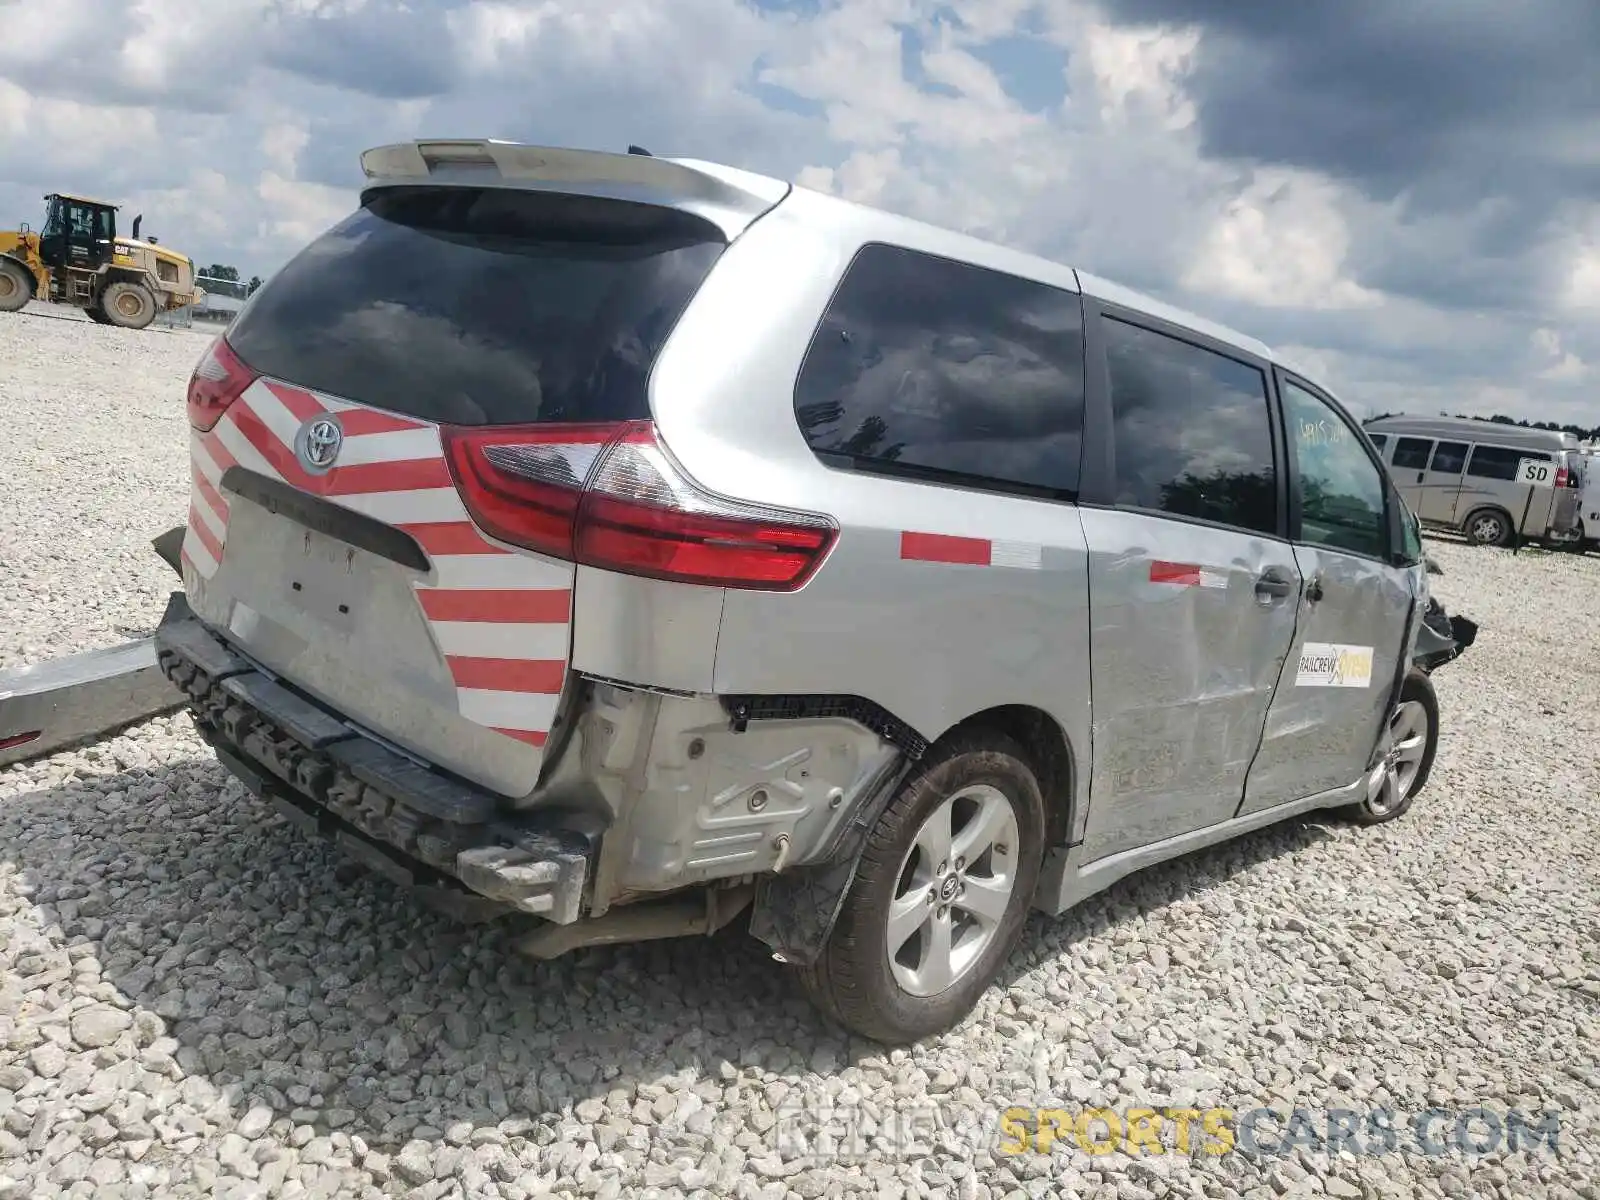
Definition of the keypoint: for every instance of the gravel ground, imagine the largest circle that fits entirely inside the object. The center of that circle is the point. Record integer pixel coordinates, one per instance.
(195, 1000)
(96, 465)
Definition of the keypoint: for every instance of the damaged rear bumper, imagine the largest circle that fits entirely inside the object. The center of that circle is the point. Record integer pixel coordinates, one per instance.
(451, 842)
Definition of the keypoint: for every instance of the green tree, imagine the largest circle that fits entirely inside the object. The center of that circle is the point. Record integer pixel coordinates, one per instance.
(255, 282)
(219, 271)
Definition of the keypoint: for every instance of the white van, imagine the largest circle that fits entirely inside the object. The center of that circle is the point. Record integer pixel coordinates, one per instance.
(1464, 474)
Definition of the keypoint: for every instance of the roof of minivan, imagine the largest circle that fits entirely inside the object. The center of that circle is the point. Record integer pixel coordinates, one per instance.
(1480, 426)
(756, 192)
(979, 248)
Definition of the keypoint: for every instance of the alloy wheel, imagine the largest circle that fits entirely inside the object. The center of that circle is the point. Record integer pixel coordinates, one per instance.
(954, 887)
(1405, 743)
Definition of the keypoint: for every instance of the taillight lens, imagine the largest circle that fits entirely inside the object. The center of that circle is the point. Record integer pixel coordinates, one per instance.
(220, 378)
(1561, 477)
(612, 496)
(523, 486)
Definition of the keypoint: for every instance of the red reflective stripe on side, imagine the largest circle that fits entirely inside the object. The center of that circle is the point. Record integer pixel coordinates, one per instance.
(212, 496)
(532, 606)
(218, 452)
(357, 422)
(533, 737)
(407, 475)
(451, 537)
(298, 401)
(942, 548)
(1187, 574)
(279, 457)
(204, 534)
(508, 674)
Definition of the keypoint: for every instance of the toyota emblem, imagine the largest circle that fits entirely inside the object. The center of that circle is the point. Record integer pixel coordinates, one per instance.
(317, 444)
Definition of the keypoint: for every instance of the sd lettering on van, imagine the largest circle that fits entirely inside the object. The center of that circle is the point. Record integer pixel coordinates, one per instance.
(1326, 664)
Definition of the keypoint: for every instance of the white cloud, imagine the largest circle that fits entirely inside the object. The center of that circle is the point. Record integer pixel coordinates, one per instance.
(1563, 366)
(1139, 73)
(1280, 244)
(281, 145)
(1583, 282)
(298, 212)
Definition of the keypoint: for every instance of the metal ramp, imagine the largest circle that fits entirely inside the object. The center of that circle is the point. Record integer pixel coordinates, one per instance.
(85, 697)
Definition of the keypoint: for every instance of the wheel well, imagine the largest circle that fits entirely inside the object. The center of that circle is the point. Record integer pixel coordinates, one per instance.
(123, 275)
(1049, 754)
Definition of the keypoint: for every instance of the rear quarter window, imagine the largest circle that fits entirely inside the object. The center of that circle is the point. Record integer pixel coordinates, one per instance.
(935, 369)
(1498, 462)
(482, 306)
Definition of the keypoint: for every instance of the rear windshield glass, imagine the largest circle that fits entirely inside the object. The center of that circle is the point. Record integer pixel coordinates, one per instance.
(482, 306)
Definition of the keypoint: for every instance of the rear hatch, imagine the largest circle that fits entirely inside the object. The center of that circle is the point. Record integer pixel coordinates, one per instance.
(390, 442)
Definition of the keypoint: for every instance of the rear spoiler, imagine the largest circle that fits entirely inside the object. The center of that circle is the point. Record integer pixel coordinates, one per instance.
(730, 199)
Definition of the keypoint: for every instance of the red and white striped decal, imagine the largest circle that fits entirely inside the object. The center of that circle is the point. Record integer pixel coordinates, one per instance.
(971, 552)
(1187, 575)
(500, 618)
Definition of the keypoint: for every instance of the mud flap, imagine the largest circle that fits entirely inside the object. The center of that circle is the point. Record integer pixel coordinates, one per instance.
(169, 547)
(795, 912)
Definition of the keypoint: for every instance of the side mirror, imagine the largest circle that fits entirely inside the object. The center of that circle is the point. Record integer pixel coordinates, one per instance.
(1433, 567)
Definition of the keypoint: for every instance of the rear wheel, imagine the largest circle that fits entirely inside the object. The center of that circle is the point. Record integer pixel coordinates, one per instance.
(1409, 742)
(129, 305)
(15, 287)
(94, 314)
(940, 896)
(1489, 527)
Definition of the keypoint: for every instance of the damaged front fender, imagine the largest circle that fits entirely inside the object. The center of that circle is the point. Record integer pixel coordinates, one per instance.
(1441, 638)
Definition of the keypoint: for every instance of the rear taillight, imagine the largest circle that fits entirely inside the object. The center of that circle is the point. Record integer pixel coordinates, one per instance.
(1565, 478)
(220, 378)
(523, 486)
(612, 496)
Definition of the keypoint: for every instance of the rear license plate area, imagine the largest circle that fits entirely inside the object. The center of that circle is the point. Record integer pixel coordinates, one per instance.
(319, 579)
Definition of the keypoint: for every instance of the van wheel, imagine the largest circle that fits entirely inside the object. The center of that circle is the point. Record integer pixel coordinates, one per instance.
(129, 305)
(940, 895)
(1489, 527)
(1409, 743)
(16, 289)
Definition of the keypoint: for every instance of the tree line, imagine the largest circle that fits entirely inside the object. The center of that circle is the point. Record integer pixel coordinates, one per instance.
(1583, 434)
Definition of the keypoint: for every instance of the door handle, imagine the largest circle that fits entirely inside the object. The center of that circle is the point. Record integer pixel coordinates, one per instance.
(1272, 585)
(1421, 475)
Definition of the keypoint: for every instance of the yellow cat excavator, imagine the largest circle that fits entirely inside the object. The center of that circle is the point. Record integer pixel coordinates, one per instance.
(78, 259)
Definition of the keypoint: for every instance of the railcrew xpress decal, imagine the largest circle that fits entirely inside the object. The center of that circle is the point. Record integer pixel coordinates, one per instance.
(1325, 664)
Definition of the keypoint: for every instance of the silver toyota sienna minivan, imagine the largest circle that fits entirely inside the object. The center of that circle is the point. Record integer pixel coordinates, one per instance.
(623, 546)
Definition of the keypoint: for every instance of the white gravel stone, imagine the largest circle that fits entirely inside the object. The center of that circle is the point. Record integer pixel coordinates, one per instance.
(99, 1025)
(195, 1000)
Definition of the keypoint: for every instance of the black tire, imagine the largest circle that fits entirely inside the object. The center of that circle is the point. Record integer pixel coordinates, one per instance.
(16, 289)
(1488, 527)
(852, 981)
(128, 305)
(94, 314)
(1378, 809)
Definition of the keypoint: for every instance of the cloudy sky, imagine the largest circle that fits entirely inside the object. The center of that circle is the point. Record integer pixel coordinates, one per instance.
(1405, 194)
